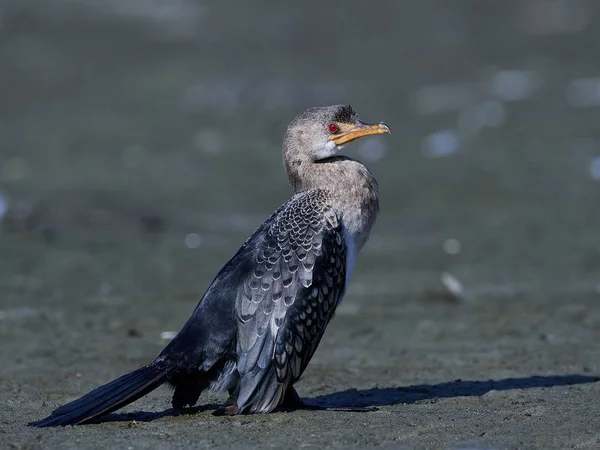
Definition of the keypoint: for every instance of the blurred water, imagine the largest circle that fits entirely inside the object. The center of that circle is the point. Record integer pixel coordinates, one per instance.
(121, 116)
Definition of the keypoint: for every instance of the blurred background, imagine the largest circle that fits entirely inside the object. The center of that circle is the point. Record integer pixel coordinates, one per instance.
(140, 146)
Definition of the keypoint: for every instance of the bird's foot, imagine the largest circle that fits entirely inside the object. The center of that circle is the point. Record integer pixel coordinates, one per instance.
(226, 410)
(229, 408)
(292, 402)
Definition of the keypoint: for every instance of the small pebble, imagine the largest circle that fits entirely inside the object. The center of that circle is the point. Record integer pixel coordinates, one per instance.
(133, 332)
(452, 284)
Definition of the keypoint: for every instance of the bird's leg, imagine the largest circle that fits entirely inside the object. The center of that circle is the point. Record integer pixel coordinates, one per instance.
(292, 401)
(230, 407)
(227, 410)
(186, 396)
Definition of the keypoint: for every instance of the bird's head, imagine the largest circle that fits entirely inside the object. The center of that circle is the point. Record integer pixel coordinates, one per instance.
(320, 133)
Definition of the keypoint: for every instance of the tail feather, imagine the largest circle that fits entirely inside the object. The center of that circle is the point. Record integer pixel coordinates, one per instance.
(110, 397)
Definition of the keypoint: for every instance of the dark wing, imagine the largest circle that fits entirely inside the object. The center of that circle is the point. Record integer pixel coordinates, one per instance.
(284, 306)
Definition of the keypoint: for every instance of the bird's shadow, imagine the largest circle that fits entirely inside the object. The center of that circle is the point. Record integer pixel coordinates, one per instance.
(143, 416)
(393, 395)
(457, 388)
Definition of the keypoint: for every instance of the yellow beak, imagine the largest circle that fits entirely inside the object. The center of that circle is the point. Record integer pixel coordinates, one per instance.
(360, 130)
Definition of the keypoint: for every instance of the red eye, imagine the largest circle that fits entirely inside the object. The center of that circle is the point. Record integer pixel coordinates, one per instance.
(333, 128)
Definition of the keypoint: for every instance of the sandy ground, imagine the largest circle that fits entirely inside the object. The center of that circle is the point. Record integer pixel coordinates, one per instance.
(512, 362)
(140, 149)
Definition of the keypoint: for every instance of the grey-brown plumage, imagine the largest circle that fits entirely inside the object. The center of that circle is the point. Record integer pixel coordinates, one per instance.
(262, 318)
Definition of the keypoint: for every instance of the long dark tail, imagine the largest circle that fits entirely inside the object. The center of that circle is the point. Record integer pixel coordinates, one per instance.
(110, 397)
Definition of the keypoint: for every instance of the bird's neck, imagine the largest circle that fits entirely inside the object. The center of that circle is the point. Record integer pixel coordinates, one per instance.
(352, 190)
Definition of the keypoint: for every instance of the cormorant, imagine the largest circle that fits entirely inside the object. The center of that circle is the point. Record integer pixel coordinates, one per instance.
(259, 323)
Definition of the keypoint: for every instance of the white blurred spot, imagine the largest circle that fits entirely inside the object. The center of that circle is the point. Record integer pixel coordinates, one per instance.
(372, 149)
(515, 85)
(4, 203)
(584, 92)
(168, 335)
(452, 284)
(595, 168)
(441, 143)
(14, 169)
(452, 246)
(208, 140)
(192, 240)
